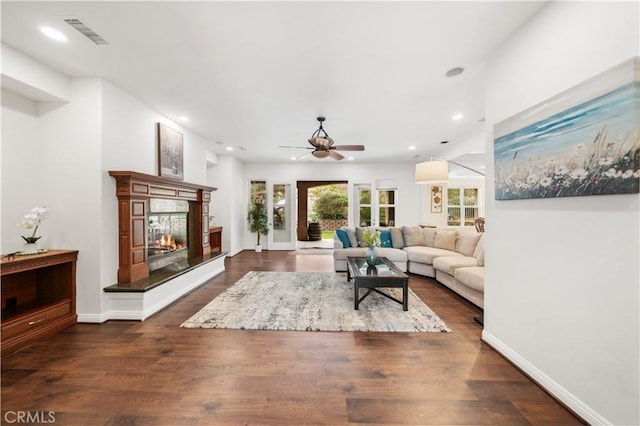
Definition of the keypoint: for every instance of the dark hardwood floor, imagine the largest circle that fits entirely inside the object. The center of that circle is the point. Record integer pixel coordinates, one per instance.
(156, 373)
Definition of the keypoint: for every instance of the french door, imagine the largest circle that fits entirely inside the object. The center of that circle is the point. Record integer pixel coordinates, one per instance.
(281, 213)
(375, 207)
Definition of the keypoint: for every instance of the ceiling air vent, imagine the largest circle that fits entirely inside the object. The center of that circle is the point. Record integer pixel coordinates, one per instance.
(86, 31)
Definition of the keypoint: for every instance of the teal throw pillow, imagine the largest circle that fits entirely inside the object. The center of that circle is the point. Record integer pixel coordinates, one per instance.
(385, 239)
(343, 237)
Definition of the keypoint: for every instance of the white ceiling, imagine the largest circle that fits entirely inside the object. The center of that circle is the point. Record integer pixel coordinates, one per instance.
(255, 75)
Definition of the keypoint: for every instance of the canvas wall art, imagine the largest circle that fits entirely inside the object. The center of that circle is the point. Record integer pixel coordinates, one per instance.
(170, 152)
(436, 199)
(584, 141)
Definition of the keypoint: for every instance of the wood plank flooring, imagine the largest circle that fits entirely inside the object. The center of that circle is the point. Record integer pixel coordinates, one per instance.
(156, 373)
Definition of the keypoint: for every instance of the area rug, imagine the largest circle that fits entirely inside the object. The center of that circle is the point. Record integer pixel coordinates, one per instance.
(311, 301)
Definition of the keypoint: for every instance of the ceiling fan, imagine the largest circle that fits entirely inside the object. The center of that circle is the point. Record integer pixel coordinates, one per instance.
(322, 145)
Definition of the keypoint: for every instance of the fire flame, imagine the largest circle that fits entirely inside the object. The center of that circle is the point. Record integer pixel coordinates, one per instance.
(167, 242)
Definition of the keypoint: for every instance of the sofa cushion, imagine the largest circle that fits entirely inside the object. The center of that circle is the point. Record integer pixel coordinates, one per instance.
(478, 253)
(351, 233)
(343, 237)
(466, 242)
(412, 236)
(472, 277)
(448, 264)
(397, 239)
(385, 238)
(445, 239)
(423, 254)
(394, 255)
(429, 235)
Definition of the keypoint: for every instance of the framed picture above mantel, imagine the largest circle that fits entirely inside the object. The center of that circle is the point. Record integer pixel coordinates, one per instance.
(170, 152)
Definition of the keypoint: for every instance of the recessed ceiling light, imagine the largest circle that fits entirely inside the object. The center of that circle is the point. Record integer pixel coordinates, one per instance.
(349, 158)
(293, 158)
(53, 34)
(457, 116)
(454, 72)
(184, 118)
(229, 148)
(412, 147)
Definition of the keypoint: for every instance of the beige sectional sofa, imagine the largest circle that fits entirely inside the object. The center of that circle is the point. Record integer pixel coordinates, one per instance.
(454, 257)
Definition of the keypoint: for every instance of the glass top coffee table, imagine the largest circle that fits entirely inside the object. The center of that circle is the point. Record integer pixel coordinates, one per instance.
(383, 274)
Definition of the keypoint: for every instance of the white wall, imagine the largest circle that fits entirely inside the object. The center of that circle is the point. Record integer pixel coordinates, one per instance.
(562, 284)
(227, 203)
(21, 165)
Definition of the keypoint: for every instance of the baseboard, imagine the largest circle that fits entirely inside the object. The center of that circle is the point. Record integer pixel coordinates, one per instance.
(561, 394)
(93, 318)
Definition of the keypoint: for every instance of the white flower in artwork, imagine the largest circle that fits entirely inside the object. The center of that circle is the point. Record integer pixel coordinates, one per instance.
(606, 161)
(636, 174)
(545, 181)
(533, 178)
(613, 173)
(579, 174)
(627, 174)
(561, 170)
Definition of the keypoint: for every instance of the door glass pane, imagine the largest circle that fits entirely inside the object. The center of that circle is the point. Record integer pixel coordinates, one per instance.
(281, 219)
(387, 216)
(365, 216)
(364, 209)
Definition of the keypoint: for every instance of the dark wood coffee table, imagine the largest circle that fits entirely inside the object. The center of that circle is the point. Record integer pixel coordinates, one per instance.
(384, 274)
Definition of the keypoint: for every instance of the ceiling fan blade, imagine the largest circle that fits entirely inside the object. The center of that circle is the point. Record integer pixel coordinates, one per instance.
(294, 147)
(335, 155)
(304, 155)
(348, 147)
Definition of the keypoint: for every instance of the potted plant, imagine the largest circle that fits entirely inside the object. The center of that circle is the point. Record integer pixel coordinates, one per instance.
(258, 221)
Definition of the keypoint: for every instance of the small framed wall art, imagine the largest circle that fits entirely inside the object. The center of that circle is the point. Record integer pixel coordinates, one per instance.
(170, 152)
(436, 199)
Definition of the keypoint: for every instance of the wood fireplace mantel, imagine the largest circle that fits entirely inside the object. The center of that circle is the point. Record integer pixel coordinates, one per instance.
(133, 189)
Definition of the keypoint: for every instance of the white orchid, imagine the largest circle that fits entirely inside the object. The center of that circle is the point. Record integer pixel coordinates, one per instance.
(32, 220)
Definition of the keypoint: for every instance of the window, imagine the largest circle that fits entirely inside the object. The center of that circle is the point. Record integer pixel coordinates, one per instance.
(387, 207)
(462, 207)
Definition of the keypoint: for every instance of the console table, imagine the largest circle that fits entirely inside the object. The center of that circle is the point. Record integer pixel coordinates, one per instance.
(38, 297)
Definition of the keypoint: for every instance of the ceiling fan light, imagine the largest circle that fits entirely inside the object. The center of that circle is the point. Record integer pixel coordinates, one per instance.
(320, 154)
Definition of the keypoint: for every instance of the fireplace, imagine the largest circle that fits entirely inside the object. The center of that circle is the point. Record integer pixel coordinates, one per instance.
(167, 232)
(160, 221)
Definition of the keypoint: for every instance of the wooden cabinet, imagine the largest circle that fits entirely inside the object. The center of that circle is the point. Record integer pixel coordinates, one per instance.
(215, 238)
(38, 297)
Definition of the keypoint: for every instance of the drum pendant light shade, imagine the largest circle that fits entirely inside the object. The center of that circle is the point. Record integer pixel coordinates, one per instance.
(432, 172)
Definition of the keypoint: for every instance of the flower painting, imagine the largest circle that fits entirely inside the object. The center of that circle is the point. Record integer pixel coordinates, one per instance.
(585, 141)
(436, 199)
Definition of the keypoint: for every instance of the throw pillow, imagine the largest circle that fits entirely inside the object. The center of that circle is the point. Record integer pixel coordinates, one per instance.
(413, 236)
(445, 240)
(467, 242)
(429, 235)
(385, 238)
(351, 233)
(343, 237)
(397, 240)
